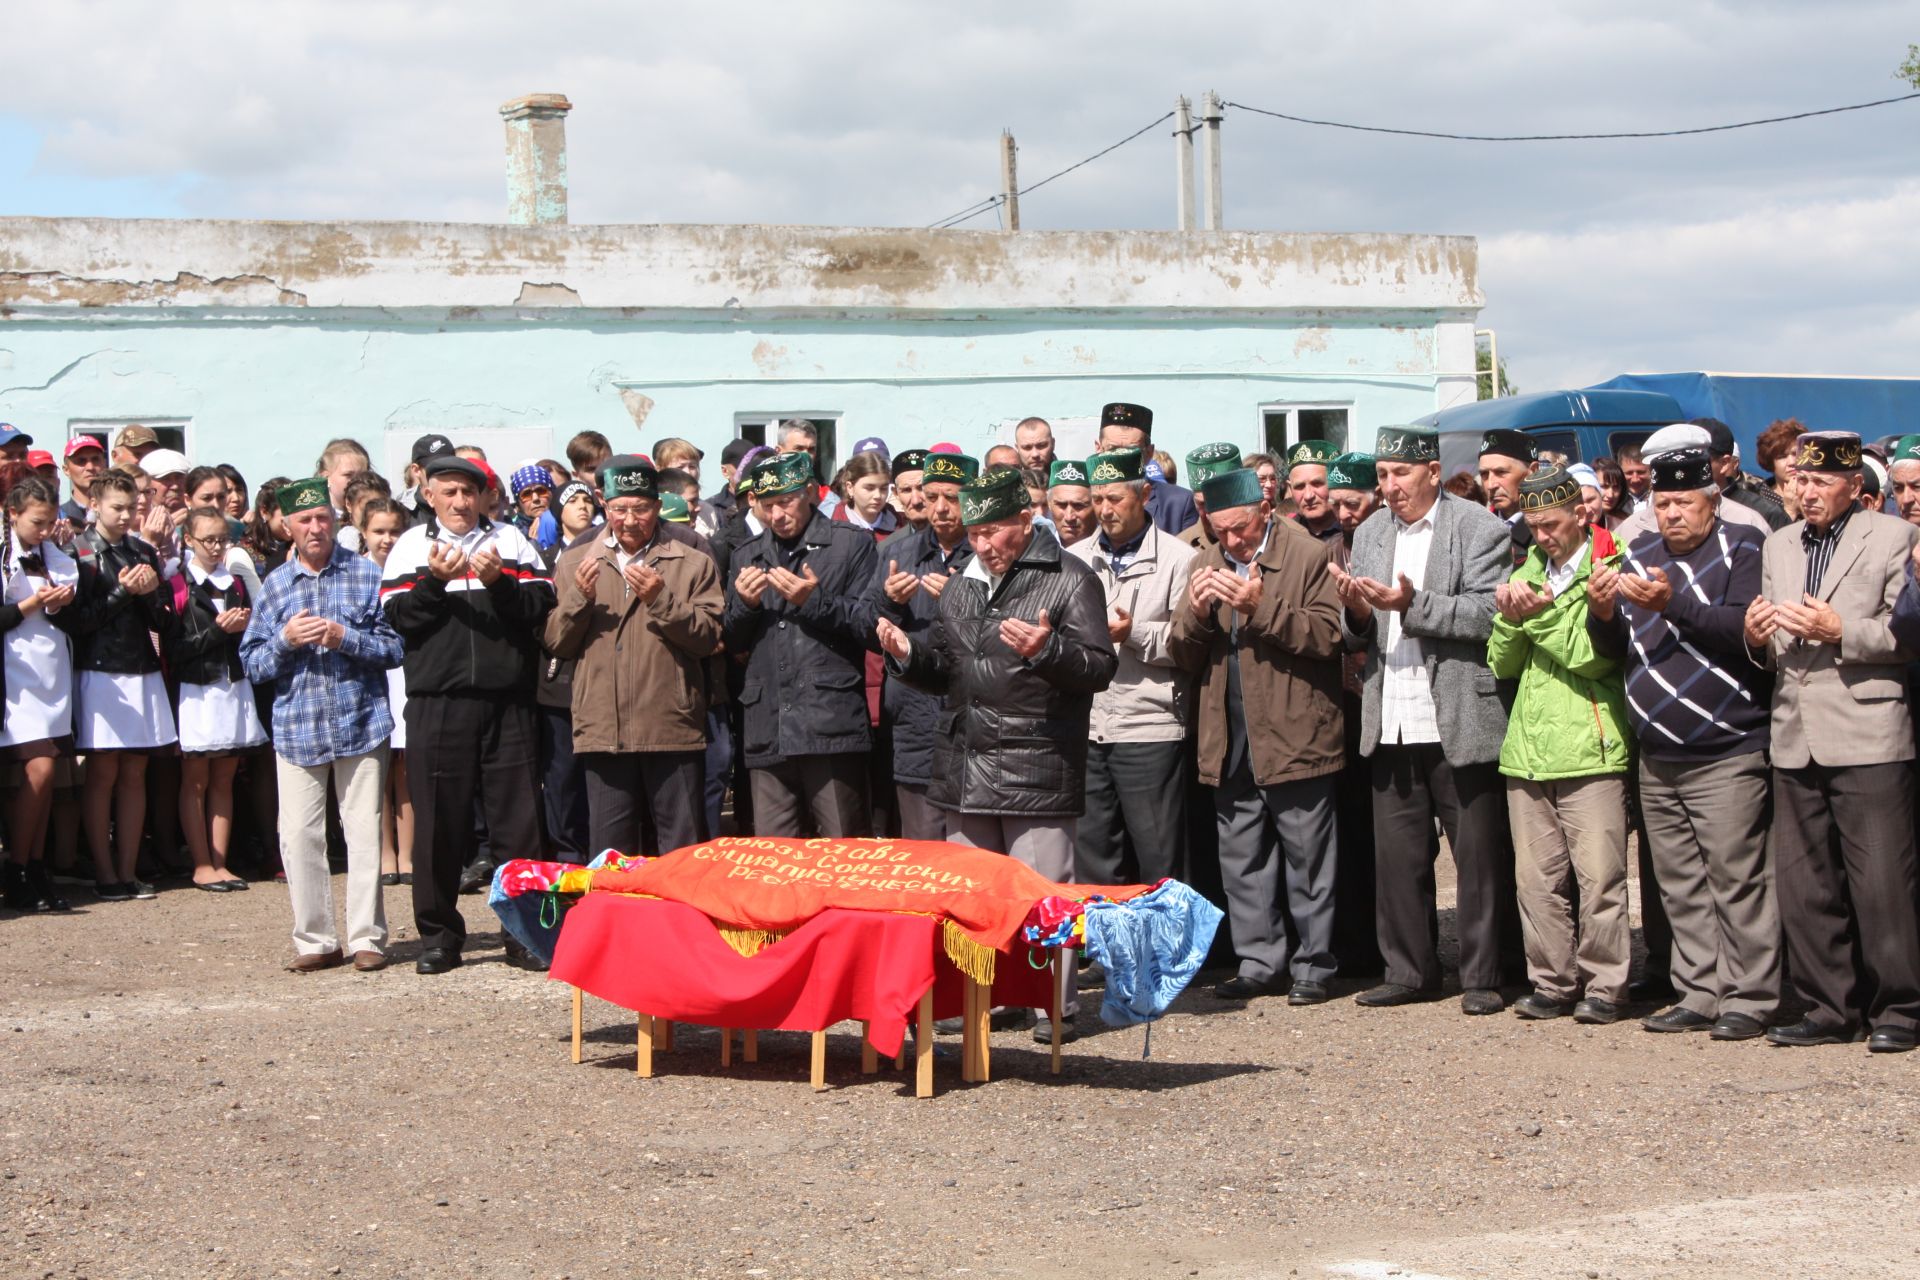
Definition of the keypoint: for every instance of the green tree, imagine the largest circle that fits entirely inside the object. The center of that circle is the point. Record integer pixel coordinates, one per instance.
(1910, 69)
(1483, 364)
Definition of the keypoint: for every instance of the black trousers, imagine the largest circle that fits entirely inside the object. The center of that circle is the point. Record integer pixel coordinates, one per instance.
(1356, 942)
(1844, 876)
(1412, 785)
(462, 748)
(811, 796)
(623, 788)
(563, 796)
(1134, 830)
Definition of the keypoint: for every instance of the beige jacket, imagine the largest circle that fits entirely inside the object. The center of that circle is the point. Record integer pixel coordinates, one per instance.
(1150, 699)
(1843, 704)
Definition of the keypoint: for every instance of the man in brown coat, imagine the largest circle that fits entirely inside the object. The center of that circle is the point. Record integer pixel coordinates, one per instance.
(1261, 622)
(640, 610)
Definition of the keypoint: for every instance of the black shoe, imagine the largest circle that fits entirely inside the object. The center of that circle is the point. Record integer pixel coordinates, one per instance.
(1808, 1032)
(406, 877)
(1652, 990)
(21, 890)
(1043, 1030)
(389, 878)
(143, 891)
(1891, 1040)
(949, 1026)
(1241, 987)
(48, 897)
(521, 958)
(1307, 991)
(477, 878)
(1092, 974)
(1737, 1026)
(1481, 1001)
(1678, 1018)
(1008, 1019)
(1539, 1008)
(113, 892)
(1596, 1012)
(1389, 994)
(437, 960)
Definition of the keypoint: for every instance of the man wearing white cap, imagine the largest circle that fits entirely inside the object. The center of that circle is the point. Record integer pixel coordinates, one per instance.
(1681, 435)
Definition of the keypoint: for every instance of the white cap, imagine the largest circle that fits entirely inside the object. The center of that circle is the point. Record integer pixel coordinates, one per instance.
(1680, 435)
(165, 462)
(1584, 474)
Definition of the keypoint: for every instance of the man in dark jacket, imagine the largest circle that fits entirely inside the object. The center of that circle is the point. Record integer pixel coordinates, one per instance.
(1736, 485)
(797, 608)
(1019, 650)
(469, 598)
(915, 567)
(1130, 426)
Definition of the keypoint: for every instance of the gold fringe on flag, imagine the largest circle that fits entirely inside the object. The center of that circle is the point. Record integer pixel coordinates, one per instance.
(748, 942)
(969, 957)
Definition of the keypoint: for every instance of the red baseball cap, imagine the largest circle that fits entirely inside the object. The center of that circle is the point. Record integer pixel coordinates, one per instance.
(493, 481)
(39, 458)
(78, 443)
(945, 446)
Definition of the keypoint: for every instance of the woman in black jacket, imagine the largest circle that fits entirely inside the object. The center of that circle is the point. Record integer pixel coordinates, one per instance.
(217, 718)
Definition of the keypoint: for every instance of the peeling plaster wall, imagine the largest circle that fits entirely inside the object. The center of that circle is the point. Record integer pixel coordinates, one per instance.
(272, 337)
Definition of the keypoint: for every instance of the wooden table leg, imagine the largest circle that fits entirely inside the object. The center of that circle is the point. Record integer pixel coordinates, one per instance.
(665, 1026)
(726, 1046)
(1059, 1002)
(923, 1048)
(869, 1060)
(819, 1060)
(749, 1045)
(643, 1047)
(577, 993)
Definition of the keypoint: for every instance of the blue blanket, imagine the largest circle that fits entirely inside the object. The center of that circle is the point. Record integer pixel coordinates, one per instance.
(1150, 947)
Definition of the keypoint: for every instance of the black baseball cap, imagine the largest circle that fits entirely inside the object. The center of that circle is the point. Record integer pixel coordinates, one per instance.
(1719, 435)
(431, 446)
(736, 449)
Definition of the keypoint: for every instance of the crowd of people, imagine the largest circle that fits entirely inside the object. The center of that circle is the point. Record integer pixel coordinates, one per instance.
(1283, 683)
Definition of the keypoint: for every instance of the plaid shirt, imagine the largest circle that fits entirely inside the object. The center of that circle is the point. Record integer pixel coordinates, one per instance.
(328, 704)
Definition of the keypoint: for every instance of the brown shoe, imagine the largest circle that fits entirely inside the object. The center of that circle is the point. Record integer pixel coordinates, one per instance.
(315, 961)
(368, 961)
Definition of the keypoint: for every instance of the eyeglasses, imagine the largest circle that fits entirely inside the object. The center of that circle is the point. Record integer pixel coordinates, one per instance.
(217, 540)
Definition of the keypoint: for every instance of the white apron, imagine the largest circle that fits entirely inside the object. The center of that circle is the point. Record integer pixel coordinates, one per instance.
(38, 659)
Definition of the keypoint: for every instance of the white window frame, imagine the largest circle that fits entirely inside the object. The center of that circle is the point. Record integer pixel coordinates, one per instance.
(1292, 408)
(110, 427)
(829, 455)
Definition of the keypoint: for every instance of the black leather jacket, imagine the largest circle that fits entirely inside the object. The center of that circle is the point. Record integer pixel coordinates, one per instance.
(913, 714)
(1011, 737)
(198, 652)
(116, 630)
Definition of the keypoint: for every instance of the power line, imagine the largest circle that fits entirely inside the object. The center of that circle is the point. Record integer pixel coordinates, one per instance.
(1569, 137)
(994, 202)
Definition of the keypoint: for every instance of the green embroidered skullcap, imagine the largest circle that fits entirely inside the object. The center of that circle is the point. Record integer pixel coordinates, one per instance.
(782, 474)
(303, 495)
(1229, 489)
(1406, 444)
(628, 475)
(1067, 471)
(1352, 471)
(1906, 449)
(1545, 490)
(1312, 453)
(950, 468)
(1115, 466)
(1210, 460)
(674, 508)
(998, 496)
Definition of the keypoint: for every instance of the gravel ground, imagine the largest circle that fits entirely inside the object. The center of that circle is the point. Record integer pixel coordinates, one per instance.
(176, 1105)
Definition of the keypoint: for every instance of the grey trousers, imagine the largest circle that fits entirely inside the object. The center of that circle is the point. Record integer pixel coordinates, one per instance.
(359, 781)
(1045, 844)
(1275, 839)
(829, 790)
(1707, 830)
(1566, 832)
(919, 818)
(1136, 797)
(1413, 784)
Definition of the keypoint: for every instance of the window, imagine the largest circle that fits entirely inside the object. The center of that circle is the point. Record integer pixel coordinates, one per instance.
(764, 428)
(170, 432)
(1618, 440)
(1284, 425)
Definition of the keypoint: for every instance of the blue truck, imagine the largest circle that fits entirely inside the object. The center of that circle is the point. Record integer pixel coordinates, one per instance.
(1594, 421)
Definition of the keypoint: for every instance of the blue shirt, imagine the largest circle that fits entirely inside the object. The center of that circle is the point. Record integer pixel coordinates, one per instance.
(328, 704)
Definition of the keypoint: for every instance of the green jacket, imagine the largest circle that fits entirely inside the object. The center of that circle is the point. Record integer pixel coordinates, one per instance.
(1569, 718)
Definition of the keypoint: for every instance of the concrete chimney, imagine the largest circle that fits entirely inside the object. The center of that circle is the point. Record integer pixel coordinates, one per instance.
(537, 159)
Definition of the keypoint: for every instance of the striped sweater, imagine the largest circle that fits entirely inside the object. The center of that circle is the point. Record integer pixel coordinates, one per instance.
(1693, 694)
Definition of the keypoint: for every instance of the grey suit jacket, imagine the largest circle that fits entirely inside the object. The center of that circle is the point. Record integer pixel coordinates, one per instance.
(1843, 704)
(1452, 614)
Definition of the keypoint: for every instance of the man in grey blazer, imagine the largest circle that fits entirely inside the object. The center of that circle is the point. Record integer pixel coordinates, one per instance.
(1842, 739)
(1418, 595)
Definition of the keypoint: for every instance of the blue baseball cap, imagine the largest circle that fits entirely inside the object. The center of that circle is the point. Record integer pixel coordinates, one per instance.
(10, 433)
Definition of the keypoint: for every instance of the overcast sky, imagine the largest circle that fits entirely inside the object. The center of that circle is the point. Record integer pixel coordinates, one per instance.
(1789, 248)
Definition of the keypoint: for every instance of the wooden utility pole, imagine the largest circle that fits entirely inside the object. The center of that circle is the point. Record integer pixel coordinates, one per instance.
(1210, 116)
(1009, 180)
(1183, 159)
